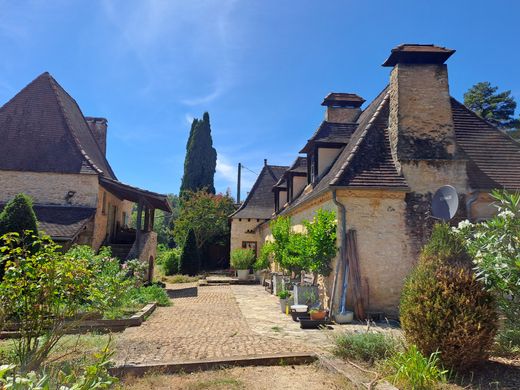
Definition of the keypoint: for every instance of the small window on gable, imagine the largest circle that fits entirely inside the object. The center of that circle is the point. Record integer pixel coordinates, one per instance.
(104, 206)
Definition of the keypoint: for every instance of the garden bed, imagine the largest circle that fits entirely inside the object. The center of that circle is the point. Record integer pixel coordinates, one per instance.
(98, 325)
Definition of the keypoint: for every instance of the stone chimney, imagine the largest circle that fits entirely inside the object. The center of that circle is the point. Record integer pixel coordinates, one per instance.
(98, 126)
(342, 107)
(420, 121)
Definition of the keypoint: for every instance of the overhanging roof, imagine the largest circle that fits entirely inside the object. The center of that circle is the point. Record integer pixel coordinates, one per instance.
(134, 194)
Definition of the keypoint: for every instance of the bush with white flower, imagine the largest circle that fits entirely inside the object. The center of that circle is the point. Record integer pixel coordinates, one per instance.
(495, 247)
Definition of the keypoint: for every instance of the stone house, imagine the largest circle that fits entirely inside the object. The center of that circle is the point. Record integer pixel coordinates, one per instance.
(378, 167)
(54, 154)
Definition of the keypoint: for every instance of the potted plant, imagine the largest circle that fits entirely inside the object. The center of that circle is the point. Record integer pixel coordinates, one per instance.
(241, 260)
(318, 314)
(284, 296)
(262, 263)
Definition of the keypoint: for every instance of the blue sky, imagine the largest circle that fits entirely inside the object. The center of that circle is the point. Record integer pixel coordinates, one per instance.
(261, 68)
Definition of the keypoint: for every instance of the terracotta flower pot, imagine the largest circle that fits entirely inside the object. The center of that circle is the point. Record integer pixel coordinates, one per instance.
(318, 315)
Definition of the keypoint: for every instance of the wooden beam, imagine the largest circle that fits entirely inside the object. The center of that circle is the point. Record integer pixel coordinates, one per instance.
(146, 219)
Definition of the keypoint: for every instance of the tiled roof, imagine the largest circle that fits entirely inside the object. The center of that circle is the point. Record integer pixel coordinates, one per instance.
(259, 203)
(62, 222)
(328, 132)
(299, 165)
(343, 99)
(43, 130)
(494, 156)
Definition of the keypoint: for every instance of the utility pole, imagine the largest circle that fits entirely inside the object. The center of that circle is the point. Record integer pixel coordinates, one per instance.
(238, 182)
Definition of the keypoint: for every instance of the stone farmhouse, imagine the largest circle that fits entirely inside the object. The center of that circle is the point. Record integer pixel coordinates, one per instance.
(377, 168)
(54, 154)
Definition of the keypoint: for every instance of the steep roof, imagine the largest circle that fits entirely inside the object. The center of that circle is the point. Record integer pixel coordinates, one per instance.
(44, 130)
(259, 203)
(494, 157)
(332, 133)
(299, 165)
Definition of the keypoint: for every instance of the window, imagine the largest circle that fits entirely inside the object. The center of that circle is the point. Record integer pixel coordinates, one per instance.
(249, 245)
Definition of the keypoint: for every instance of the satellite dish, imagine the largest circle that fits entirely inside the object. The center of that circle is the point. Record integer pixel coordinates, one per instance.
(445, 203)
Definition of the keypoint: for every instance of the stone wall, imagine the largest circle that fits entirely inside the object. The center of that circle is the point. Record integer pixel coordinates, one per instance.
(50, 188)
(241, 229)
(145, 251)
(101, 218)
(342, 114)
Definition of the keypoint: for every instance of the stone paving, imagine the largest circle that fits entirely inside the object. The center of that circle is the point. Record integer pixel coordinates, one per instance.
(208, 326)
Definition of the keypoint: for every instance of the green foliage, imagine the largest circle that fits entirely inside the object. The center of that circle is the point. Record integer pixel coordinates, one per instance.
(284, 294)
(206, 215)
(180, 279)
(411, 370)
(242, 258)
(311, 251)
(40, 290)
(496, 107)
(190, 257)
(264, 257)
(201, 158)
(169, 260)
(367, 346)
(95, 376)
(18, 216)
(444, 307)
(321, 247)
(148, 294)
(495, 245)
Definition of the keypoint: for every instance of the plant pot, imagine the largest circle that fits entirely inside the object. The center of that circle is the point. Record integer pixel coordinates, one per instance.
(283, 304)
(318, 315)
(344, 318)
(243, 274)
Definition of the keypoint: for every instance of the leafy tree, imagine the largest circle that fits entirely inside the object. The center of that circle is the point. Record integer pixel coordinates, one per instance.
(18, 216)
(321, 233)
(201, 158)
(496, 107)
(190, 257)
(206, 215)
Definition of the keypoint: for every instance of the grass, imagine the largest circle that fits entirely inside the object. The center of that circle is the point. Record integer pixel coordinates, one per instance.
(136, 299)
(276, 329)
(219, 383)
(507, 343)
(368, 346)
(411, 370)
(179, 279)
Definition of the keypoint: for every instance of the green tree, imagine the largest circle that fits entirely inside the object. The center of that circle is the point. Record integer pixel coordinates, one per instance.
(206, 215)
(18, 216)
(496, 107)
(201, 158)
(190, 257)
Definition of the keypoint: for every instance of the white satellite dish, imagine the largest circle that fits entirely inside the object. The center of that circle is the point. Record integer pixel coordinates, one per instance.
(445, 203)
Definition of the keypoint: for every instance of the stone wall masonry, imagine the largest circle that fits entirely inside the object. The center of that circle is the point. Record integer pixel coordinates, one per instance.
(342, 114)
(239, 232)
(50, 188)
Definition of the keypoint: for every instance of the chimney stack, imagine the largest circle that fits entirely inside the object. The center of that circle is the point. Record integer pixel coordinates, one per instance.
(420, 122)
(342, 107)
(98, 126)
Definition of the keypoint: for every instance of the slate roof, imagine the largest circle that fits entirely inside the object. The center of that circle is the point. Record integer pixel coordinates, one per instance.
(299, 165)
(43, 130)
(329, 132)
(494, 156)
(340, 99)
(259, 203)
(62, 222)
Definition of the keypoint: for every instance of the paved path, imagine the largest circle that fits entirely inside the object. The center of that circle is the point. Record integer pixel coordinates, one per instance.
(208, 326)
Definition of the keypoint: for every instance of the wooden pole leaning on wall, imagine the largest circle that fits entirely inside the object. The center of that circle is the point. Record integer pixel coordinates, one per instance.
(355, 275)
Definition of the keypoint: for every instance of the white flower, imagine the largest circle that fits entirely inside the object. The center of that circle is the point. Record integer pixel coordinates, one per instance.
(506, 214)
(464, 224)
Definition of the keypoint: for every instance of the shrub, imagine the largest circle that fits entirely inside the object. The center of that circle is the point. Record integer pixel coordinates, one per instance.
(169, 260)
(495, 245)
(18, 216)
(242, 258)
(444, 307)
(411, 370)
(367, 346)
(190, 257)
(263, 261)
(148, 294)
(321, 247)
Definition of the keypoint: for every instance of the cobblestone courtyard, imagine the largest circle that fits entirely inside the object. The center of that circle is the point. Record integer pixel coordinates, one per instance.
(208, 326)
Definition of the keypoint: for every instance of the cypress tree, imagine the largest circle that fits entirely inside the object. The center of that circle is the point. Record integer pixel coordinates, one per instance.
(190, 258)
(18, 216)
(201, 158)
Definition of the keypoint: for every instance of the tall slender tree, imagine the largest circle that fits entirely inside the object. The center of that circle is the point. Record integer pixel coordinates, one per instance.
(201, 158)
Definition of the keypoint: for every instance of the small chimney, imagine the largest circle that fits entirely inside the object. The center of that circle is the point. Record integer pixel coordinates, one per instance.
(420, 122)
(342, 107)
(98, 126)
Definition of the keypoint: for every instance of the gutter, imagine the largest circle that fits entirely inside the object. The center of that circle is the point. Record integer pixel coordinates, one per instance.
(343, 238)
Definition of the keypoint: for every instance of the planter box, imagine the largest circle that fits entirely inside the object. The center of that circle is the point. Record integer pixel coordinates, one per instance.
(243, 274)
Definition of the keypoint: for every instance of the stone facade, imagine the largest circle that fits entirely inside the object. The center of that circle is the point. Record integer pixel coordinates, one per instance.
(342, 114)
(50, 188)
(243, 229)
